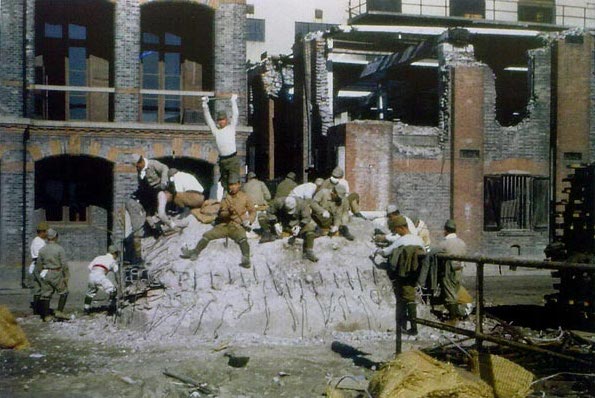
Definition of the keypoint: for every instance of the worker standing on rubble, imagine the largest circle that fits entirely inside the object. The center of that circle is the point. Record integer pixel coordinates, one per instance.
(451, 274)
(36, 245)
(337, 178)
(404, 273)
(237, 213)
(292, 215)
(149, 197)
(285, 186)
(53, 274)
(224, 132)
(99, 268)
(330, 210)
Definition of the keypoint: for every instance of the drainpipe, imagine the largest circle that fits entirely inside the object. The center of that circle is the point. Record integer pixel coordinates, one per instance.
(25, 96)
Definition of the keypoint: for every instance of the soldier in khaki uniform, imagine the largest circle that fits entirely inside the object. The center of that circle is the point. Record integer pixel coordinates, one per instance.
(285, 186)
(338, 178)
(257, 190)
(331, 210)
(292, 215)
(451, 273)
(237, 214)
(53, 274)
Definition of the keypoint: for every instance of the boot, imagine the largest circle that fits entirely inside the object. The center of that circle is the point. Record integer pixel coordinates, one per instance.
(87, 304)
(44, 310)
(412, 314)
(308, 253)
(245, 249)
(344, 231)
(113, 302)
(60, 311)
(266, 237)
(453, 314)
(193, 254)
(359, 215)
(35, 305)
(138, 259)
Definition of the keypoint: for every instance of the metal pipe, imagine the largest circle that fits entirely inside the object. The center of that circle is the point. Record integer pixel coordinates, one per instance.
(500, 341)
(479, 307)
(519, 262)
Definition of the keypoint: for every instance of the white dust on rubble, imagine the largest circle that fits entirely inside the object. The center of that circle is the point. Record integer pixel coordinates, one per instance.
(282, 295)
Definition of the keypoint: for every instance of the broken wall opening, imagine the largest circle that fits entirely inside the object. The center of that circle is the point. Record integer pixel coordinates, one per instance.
(176, 54)
(74, 47)
(509, 60)
(413, 95)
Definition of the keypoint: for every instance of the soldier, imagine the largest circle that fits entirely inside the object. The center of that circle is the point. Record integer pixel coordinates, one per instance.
(452, 271)
(224, 132)
(53, 275)
(149, 197)
(257, 190)
(404, 280)
(99, 268)
(337, 178)
(391, 212)
(423, 232)
(285, 186)
(36, 245)
(185, 192)
(237, 213)
(307, 190)
(330, 210)
(292, 215)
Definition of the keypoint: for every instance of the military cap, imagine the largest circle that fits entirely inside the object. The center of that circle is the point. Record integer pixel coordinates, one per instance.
(233, 178)
(251, 174)
(42, 226)
(390, 209)
(291, 175)
(340, 190)
(112, 249)
(52, 233)
(337, 172)
(290, 204)
(450, 224)
(399, 221)
(221, 115)
(171, 172)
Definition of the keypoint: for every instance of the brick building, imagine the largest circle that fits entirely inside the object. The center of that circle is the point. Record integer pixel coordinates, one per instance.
(475, 117)
(86, 86)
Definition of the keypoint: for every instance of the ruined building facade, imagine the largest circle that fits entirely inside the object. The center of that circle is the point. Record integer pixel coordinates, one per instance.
(459, 118)
(87, 86)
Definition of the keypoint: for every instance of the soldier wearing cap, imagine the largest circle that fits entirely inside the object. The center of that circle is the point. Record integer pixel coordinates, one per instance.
(451, 274)
(99, 267)
(257, 190)
(330, 210)
(36, 245)
(291, 215)
(405, 280)
(53, 275)
(224, 132)
(337, 178)
(237, 213)
(392, 211)
(285, 186)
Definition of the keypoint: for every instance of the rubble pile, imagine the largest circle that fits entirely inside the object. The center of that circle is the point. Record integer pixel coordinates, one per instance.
(281, 295)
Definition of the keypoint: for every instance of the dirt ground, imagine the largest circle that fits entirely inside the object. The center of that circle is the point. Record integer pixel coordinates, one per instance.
(93, 357)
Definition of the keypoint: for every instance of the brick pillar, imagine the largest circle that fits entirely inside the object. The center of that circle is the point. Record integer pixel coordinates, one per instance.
(572, 74)
(16, 55)
(126, 61)
(467, 142)
(230, 53)
(368, 162)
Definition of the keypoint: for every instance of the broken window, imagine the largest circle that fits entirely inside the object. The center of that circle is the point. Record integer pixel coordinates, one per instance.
(255, 29)
(413, 95)
(540, 11)
(176, 55)
(515, 202)
(73, 50)
(65, 187)
(467, 8)
(384, 5)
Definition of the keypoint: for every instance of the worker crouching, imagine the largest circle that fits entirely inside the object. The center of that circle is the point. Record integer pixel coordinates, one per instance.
(99, 268)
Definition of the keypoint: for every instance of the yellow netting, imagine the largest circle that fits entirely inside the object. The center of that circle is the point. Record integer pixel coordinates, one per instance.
(508, 379)
(11, 334)
(414, 374)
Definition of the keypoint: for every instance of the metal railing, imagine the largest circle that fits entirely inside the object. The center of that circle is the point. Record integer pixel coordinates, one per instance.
(478, 334)
(495, 10)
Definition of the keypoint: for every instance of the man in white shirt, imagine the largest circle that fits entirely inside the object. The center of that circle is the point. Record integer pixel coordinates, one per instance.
(187, 191)
(307, 190)
(224, 132)
(36, 245)
(99, 268)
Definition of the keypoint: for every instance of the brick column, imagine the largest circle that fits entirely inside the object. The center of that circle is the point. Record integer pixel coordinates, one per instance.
(230, 53)
(15, 53)
(126, 62)
(467, 144)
